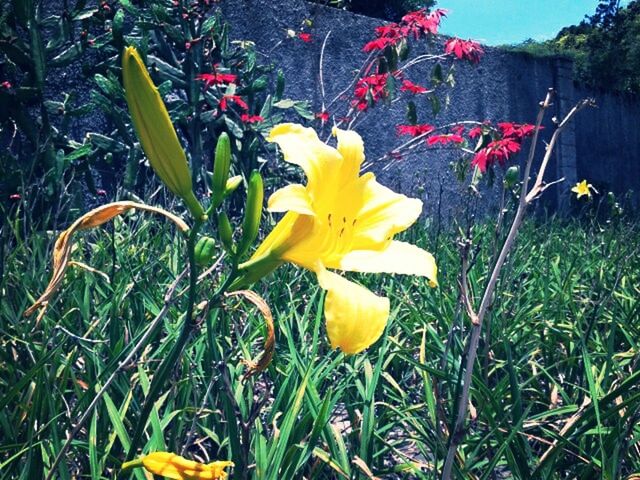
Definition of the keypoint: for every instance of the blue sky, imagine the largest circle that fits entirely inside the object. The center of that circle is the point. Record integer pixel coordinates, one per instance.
(496, 22)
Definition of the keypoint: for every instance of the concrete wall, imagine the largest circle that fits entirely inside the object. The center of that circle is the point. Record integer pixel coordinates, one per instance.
(603, 145)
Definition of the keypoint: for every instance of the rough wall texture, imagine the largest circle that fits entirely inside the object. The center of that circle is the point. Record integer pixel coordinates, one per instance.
(603, 146)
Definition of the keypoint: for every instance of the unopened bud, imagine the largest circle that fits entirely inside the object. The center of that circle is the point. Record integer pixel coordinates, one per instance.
(512, 176)
(225, 232)
(221, 165)
(205, 250)
(252, 212)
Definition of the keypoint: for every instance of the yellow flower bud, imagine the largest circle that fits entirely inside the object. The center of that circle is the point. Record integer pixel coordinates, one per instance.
(232, 184)
(155, 130)
(252, 212)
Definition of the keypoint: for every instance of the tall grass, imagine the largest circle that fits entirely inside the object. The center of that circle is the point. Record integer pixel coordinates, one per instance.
(556, 390)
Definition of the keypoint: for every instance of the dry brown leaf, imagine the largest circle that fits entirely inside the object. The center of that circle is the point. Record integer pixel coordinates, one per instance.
(254, 368)
(63, 245)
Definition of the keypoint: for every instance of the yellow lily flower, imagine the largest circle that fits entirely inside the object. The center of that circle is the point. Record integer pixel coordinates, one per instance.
(339, 220)
(583, 188)
(170, 465)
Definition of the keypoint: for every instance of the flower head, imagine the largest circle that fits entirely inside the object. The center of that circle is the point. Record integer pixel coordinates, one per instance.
(339, 220)
(305, 37)
(583, 188)
(170, 465)
(216, 78)
(464, 49)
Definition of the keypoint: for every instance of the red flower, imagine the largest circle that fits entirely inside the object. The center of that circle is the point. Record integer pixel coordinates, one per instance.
(475, 132)
(305, 37)
(415, 130)
(464, 49)
(515, 130)
(422, 23)
(372, 87)
(216, 78)
(445, 139)
(387, 35)
(409, 86)
(498, 151)
(322, 116)
(246, 118)
(6, 84)
(235, 99)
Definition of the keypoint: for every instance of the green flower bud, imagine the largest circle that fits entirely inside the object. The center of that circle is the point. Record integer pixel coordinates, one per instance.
(232, 184)
(252, 212)
(155, 130)
(221, 165)
(205, 250)
(225, 232)
(512, 176)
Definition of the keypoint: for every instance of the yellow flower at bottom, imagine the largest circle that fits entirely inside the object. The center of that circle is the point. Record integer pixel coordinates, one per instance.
(583, 188)
(343, 221)
(170, 465)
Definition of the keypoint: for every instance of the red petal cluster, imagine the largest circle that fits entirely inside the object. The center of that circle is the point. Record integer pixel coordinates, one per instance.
(413, 23)
(464, 49)
(373, 85)
(216, 78)
(305, 37)
(322, 116)
(246, 118)
(445, 139)
(409, 86)
(415, 130)
(499, 151)
(224, 101)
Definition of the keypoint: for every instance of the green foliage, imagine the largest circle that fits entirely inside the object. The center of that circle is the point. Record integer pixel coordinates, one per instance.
(392, 10)
(604, 48)
(563, 329)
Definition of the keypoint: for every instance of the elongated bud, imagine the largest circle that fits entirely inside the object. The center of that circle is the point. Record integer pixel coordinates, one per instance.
(155, 130)
(252, 212)
(225, 232)
(232, 185)
(221, 165)
(204, 251)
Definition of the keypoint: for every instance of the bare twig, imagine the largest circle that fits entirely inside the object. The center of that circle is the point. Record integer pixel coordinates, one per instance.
(526, 198)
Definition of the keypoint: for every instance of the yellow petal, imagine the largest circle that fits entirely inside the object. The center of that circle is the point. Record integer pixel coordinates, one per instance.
(351, 147)
(301, 146)
(173, 466)
(355, 316)
(398, 257)
(292, 198)
(384, 213)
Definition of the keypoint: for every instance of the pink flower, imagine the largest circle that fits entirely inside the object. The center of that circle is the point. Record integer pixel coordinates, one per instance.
(15, 196)
(216, 78)
(409, 86)
(246, 118)
(322, 116)
(6, 84)
(444, 139)
(235, 99)
(464, 49)
(305, 37)
(415, 130)
(101, 192)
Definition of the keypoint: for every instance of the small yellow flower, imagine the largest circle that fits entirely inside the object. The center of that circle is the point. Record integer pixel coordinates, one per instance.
(170, 465)
(343, 221)
(583, 188)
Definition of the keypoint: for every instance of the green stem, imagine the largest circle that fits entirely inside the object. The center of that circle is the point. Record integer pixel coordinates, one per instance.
(167, 365)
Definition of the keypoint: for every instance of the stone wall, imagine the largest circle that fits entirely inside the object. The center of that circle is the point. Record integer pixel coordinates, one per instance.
(603, 146)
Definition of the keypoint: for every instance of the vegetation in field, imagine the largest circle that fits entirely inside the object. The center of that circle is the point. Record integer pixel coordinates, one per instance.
(181, 330)
(604, 47)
